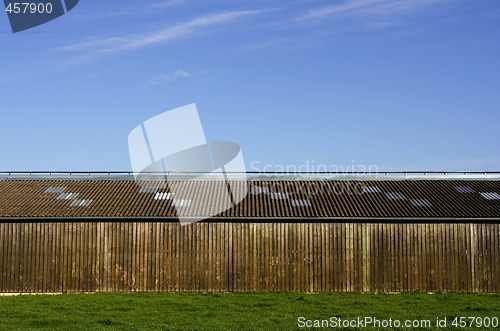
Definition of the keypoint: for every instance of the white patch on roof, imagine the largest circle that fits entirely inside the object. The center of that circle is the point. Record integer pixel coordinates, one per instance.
(80, 203)
(148, 189)
(279, 195)
(397, 196)
(68, 196)
(300, 203)
(371, 189)
(55, 189)
(181, 203)
(421, 203)
(490, 195)
(258, 189)
(464, 189)
(163, 196)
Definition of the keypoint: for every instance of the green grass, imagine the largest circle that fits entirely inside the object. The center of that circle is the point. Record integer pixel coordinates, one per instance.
(230, 311)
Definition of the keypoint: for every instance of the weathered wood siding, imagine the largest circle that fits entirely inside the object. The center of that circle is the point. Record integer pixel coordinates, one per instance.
(163, 256)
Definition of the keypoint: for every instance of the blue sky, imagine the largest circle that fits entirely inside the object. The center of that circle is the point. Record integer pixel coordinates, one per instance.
(400, 84)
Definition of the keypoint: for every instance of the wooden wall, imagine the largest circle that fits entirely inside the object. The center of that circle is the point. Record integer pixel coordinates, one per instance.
(163, 256)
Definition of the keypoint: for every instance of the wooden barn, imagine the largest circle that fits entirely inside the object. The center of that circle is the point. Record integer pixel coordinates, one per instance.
(100, 232)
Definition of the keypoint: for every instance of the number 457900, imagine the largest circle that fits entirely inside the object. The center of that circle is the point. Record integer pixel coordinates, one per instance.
(29, 7)
(478, 322)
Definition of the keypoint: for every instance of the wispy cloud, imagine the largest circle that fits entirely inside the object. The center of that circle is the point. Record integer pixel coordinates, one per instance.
(167, 4)
(134, 10)
(135, 41)
(268, 43)
(366, 7)
(161, 79)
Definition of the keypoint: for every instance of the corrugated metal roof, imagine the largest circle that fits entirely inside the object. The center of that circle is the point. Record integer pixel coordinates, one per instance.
(265, 198)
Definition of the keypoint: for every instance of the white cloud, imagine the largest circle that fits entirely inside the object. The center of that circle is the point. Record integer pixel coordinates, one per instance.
(162, 79)
(136, 41)
(135, 10)
(167, 4)
(367, 7)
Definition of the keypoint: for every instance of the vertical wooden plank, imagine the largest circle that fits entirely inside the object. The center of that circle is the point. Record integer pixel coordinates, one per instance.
(108, 240)
(2, 257)
(247, 270)
(256, 256)
(52, 258)
(68, 256)
(462, 258)
(64, 251)
(265, 255)
(88, 257)
(399, 257)
(468, 249)
(120, 255)
(200, 257)
(403, 258)
(175, 257)
(8, 257)
(439, 256)
(45, 257)
(235, 230)
(484, 260)
(475, 255)
(181, 263)
(222, 245)
(60, 256)
(193, 274)
(15, 258)
(157, 255)
(137, 253)
(495, 258)
(316, 262)
(431, 258)
(496, 253)
(22, 258)
(275, 256)
(25, 258)
(245, 258)
(98, 240)
(422, 273)
(348, 257)
(322, 256)
(272, 257)
(449, 257)
(360, 257)
(162, 259)
(8, 260)
(168, 256)
(71, 256)
(299, 256)
(208, 256)
(171, 257)
(380, 257)
(78, 256)
(456, 242)
(489, 248)
(328, 283)
(21, 268)
(310, 257)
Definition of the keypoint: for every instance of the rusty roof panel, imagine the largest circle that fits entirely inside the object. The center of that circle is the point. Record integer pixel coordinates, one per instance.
(276, 198)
